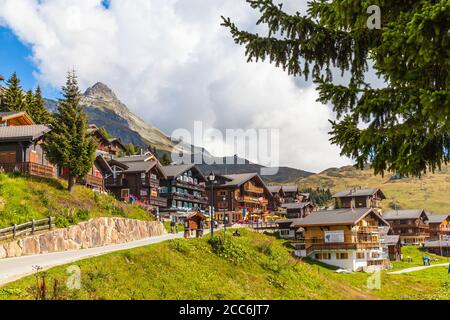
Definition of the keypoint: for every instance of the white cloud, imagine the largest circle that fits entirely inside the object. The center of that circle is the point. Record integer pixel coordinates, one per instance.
(172, 63)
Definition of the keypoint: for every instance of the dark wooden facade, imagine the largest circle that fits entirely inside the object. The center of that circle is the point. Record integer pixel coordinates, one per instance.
(359, 198)
(411, 225)
(184, 188)
(194, 225)
(140, 180)
(239, 197)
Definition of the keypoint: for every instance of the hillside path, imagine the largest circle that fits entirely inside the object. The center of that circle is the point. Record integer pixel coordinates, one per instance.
(419, 268)
(15, 268)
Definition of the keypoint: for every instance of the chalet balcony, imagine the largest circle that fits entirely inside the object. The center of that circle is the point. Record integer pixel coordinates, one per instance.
(190, 186)
(368, 230)
(341, 246)
(29, 168)
(111, 182)
(188, 197)
(91, 180)
(158, 201)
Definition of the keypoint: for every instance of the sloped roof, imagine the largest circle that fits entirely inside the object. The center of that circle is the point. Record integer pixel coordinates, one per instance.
(176, 170)
(290, 188)
(337, 217)
(358, 193)
(390, 240)
(22, 133)
(437, 218)
(437, 244)
(140, 166)
(293, 206)
(403, 214)
(274, 189)
(291, 222)
(236, 180)
(136, 158)
(104, 164)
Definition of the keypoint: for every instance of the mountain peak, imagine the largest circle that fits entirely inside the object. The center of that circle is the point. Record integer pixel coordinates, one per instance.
(100, 90)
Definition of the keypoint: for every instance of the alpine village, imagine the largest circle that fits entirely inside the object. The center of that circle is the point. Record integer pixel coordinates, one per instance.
(344, 233)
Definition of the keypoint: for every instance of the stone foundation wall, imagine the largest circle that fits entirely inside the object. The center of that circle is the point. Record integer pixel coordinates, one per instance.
(94, 233)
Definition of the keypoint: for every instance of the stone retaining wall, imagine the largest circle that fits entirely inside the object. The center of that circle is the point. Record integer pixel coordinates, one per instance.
(94, 233)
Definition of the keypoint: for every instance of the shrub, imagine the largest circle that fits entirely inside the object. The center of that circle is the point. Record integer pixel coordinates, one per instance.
(228, 250)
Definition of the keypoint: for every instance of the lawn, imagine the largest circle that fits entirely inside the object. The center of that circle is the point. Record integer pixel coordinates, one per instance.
(23, 199)
(253, 266)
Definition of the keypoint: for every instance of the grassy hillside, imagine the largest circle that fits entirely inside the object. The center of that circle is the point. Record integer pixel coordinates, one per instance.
(432, 192)
(254, 266)
(23, 199)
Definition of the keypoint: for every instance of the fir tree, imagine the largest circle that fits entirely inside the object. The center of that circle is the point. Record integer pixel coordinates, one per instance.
(68, 144)
(13, 98)
(39, 112)
(402, 127)
(30, 103)
(165, 160)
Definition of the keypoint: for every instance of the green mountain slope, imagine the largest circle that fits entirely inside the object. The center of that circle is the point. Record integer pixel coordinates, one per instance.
(431, 192)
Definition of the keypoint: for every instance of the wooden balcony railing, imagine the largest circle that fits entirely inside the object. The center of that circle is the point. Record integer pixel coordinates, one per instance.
(187, 185)
(93, 181)
(30, 168)
(341, 246)
(158, 201)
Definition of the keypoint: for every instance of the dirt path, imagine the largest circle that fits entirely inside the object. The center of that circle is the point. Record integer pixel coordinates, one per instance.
(413, 269)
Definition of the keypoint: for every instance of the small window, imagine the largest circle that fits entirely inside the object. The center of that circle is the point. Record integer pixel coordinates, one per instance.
(341, 256)
(284, 232)
(360, 255)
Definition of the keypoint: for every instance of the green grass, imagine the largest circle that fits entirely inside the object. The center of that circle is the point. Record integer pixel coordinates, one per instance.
(253, 266)
(167, 226)
(23, 199)
(416, 254)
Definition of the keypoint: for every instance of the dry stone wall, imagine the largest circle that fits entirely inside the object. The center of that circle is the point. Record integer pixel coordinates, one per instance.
(94, 233)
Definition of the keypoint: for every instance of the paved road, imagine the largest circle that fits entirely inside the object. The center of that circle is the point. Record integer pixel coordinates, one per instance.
(419, 268)
(15, 268)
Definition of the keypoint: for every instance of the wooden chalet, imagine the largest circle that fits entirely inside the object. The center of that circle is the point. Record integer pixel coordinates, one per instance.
(277, 199)
(138, 180)
(439, 225)
(411, 225)
(391, 243)
(344, 238)
(439, 247)
(298, 209)
(108, 147)
(359, 198)
(291, 194)
(240, 197)
(21, 146)
(289, 229)
(184, 189)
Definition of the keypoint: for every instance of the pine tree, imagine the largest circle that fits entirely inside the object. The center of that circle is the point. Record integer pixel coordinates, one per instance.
(165, 160)
(39, 112)
(131, 149)
(402, 127)
(68, 144)
(30, 104)
(13, 98)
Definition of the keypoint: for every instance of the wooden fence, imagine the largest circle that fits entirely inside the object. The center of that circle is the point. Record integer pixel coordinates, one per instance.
(26, 228)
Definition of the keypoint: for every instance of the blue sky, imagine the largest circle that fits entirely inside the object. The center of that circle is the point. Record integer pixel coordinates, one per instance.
(17, 57)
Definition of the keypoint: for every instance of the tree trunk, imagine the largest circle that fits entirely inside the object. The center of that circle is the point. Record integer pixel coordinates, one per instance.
(71, 183)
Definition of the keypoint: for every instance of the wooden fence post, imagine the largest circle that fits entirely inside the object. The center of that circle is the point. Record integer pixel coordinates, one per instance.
(14, 231)
(50, 223)
(33, 226)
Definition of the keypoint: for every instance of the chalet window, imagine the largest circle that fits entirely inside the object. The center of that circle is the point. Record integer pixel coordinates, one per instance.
(143, 176)
(284, 232)
(360, 255)
(174, 203)
(180, 204)
(323, 256)
(195, 181)
(342, 256)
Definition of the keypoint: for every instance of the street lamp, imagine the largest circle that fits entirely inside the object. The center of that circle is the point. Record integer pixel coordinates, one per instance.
(212, 178)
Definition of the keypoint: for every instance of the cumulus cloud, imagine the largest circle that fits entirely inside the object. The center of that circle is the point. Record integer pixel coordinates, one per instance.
(172, 63)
